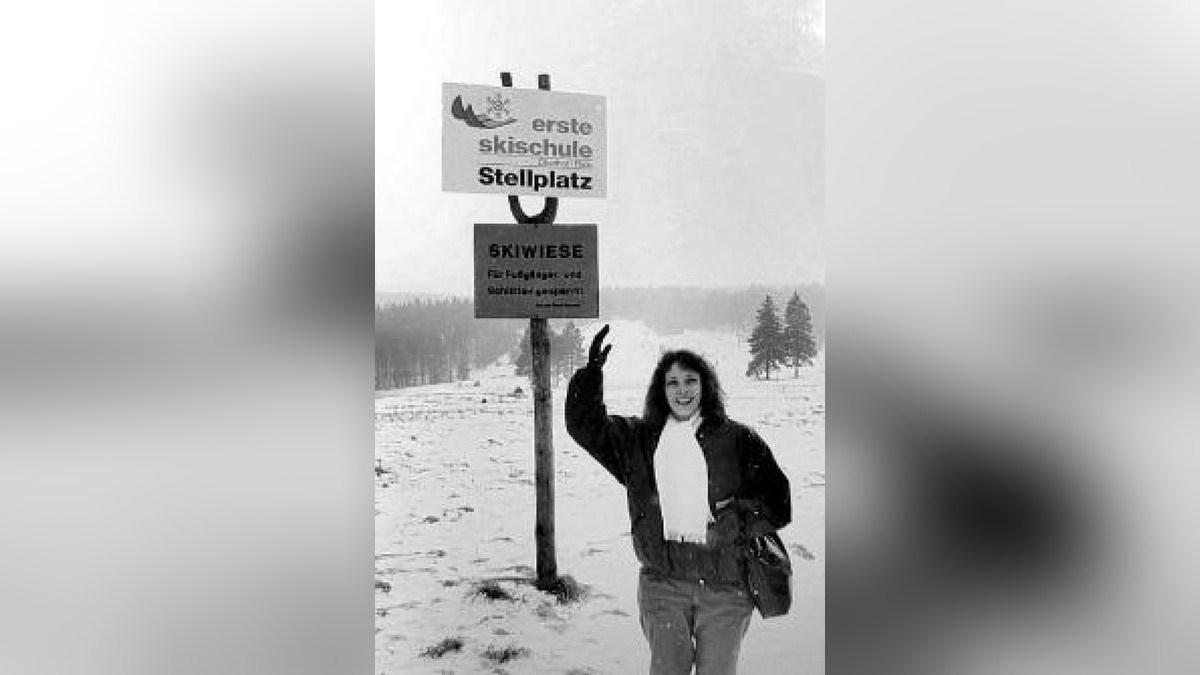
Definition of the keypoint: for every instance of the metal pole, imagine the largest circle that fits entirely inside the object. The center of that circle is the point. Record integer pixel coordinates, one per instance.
(543, 430)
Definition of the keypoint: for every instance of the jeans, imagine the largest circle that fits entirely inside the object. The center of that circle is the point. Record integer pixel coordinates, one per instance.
(690, 623)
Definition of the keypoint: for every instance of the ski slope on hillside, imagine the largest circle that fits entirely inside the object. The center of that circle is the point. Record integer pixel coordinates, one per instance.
(454, 546)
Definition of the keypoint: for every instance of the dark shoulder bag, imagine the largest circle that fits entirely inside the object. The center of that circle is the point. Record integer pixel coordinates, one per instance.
(768, 574)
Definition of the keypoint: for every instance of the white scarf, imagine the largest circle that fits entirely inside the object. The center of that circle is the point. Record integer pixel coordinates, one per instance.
(682, 475)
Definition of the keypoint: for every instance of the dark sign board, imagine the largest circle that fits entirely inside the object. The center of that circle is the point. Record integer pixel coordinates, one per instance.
(536, 271)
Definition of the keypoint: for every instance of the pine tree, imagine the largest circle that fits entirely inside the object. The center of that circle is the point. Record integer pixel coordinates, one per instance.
(566, 352)
(566, 349)
(524, 358)
(799, 345)
(766, 341)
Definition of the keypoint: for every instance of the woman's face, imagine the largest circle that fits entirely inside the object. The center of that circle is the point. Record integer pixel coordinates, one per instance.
(683, 391)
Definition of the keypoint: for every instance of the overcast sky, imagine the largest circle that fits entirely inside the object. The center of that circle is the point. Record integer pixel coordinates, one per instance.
(716, 121)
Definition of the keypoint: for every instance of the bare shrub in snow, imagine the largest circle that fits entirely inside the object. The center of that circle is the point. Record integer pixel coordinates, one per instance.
(450, 644)
(504, 654)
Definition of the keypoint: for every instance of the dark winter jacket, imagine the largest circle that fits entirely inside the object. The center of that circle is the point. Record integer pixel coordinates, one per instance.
(742, 476)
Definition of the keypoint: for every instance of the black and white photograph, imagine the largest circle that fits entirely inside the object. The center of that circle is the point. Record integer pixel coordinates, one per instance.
(599, 338)
(596, 437)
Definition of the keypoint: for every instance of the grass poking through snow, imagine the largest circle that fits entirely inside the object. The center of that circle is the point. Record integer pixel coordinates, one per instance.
(492, 590)
(504, 654)
(444, 647)
(565, 589)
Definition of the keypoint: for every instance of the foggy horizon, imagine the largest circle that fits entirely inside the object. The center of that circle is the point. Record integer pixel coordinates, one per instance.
(469, 293)
(715, 138)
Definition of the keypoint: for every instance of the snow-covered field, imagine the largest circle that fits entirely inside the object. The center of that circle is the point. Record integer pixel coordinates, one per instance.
(454, 518)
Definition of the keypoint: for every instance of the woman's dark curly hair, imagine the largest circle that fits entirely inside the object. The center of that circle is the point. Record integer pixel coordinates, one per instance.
(712, 397)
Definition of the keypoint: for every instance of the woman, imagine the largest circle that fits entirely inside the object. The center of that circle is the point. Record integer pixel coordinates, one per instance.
(696, 482)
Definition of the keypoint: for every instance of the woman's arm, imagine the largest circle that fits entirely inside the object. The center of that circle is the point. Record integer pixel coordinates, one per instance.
(765, 498)
(605, 437)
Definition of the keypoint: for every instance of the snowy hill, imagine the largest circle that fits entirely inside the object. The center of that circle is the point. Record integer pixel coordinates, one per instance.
(455, 514)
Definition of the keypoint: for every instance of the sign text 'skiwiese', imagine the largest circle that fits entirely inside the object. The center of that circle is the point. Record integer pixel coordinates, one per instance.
(500, 140)
(544, 271)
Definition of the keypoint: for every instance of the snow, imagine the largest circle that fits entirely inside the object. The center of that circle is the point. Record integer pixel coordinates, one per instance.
(455, 514)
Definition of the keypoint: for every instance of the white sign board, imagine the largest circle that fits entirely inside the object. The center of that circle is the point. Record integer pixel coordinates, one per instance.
(501, 140)
(543, 271)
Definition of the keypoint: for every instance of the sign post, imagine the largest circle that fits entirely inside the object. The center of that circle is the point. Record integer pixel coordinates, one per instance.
(530, 142)
(543, 429)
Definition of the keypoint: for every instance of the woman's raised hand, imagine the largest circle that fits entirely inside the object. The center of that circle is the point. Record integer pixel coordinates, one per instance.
(596, 355)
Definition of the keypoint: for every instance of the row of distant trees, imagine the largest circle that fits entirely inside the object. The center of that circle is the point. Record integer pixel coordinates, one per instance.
(421, 340)
(673, 309)
(431, 341)
(774, 344)
(566, 353)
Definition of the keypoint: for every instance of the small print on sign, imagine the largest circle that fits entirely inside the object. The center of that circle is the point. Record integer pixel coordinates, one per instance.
(500, 140)
(528, 271)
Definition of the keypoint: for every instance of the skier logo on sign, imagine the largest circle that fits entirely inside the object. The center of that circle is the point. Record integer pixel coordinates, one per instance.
(498, 113)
